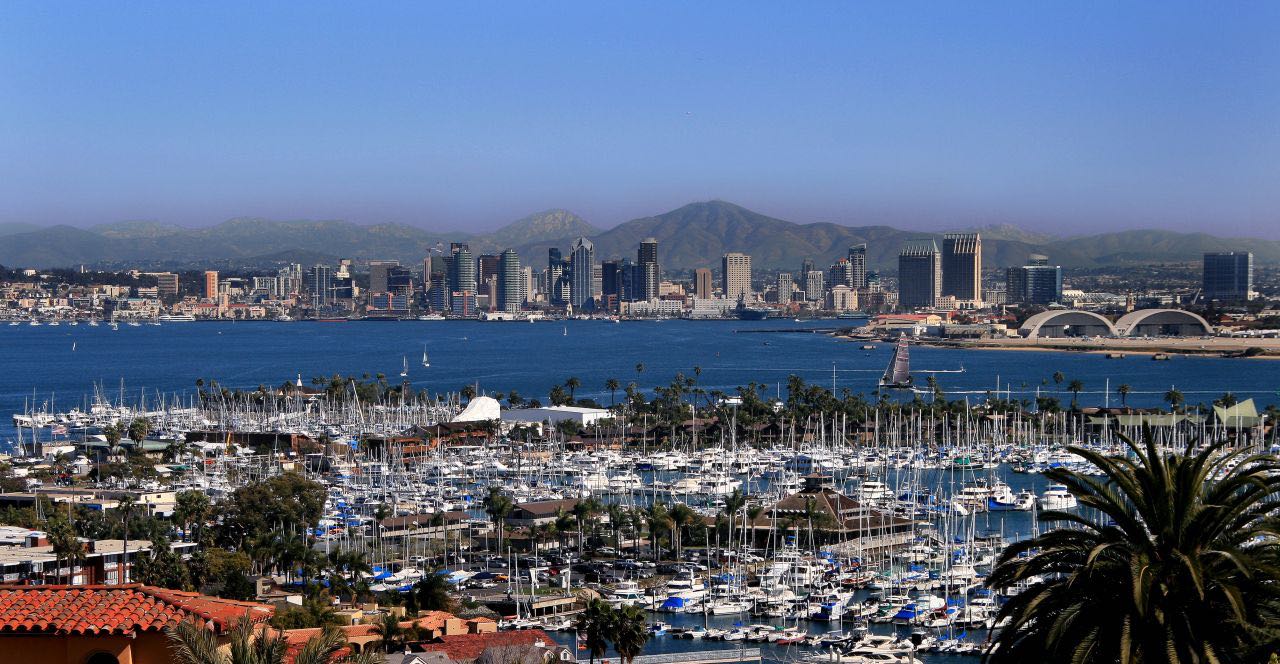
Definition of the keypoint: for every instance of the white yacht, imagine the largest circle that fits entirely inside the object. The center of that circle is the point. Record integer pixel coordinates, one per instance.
(1056, 497)
(625, 593)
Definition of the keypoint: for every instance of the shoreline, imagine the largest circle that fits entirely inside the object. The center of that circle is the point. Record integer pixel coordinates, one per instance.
(1220, 347)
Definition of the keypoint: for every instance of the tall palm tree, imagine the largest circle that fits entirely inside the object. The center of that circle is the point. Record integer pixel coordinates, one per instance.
(612, 385)
(1124, 391)
(391, 635)
(658, 518)
(250, 644)
(1075, 387)
(1174, 398)
(681, 516)
(1058, 377)
(498, 505)
(630, 632)
(572, 385)
(138, 430)
(595, 624)
(1178, 565)
(66, 546)
(732, 504)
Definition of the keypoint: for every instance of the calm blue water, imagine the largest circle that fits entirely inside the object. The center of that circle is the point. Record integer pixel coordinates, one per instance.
(39, 361)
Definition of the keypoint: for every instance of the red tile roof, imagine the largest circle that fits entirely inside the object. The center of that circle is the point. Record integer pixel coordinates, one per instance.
(122, 609)
(466, 647)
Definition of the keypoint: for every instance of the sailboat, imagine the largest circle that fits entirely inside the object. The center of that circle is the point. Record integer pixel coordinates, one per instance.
(425, 363)
(898, 374)
(405, 371)
(566, 330)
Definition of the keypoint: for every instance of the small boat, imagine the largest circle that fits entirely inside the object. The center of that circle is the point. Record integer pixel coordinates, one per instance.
(1115, 356)
(425, 362)
(405, 371)
(868, 347)
(566, 330)
(1160, 357)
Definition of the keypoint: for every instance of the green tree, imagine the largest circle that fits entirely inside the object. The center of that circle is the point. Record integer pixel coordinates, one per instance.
(498, 505)
(139, 428)
(572, 385)
(192, 510)
(1124, 391)
(629, 632)
(1058, 377)
(66, 546)
(192, 643)
(432, 593)
(612, 385)
(1178, 563)
(1174, 398)
(681, 517)
(595, 624)
(391, 635)
(1075, 387)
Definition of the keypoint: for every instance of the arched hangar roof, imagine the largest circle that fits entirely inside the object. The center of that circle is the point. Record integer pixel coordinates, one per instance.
(1133, 321)
(1077, 318)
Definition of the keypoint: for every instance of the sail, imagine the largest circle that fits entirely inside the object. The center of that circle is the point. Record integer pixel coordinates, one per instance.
(898, 373)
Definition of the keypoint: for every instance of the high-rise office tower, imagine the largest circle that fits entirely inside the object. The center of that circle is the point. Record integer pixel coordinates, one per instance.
(509, 287)
(735, 275)
(840, 273)
(211, 285)
(582, 281)
(919, 274)
(786, 288)
(462, 271)
(1037, 282)
(486, 267)
(702, 283)
(399, 280)
(647, 260)
(806, 266)
(1228, 275)
(378, 275)
(858, 265)
(962, 266)
(321, 285)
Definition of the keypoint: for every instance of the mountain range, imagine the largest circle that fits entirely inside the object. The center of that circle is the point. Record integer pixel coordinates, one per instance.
(695, 235)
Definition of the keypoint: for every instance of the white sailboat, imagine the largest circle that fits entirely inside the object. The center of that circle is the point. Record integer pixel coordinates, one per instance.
(405, 371)
(425, 363)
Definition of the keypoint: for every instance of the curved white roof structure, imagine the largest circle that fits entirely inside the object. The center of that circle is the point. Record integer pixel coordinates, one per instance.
(1066, 323)
(1163, 323)
(480, 409)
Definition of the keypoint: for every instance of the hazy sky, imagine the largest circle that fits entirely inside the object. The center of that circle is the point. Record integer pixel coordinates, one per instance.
(1064, 117)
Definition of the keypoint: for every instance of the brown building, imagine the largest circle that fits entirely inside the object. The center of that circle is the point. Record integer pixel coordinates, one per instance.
(839, 519)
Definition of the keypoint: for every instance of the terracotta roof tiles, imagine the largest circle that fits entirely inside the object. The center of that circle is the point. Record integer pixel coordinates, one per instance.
(122, 609)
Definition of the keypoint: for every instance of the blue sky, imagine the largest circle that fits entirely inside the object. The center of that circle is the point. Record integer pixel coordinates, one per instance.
(1065, 117)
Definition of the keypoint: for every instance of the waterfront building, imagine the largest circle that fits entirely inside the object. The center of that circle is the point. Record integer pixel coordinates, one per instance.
(840, 272)
(1228, 275)
(858, 266)
(919, 274)
(582, 286)
(1037, 282)
(736, 275)
(486, 267)
(842, 298)
(166, 283)
(462, 271)
(555, 285)
(509, 278)
(962, 267)
(702, 283)
(211, 285)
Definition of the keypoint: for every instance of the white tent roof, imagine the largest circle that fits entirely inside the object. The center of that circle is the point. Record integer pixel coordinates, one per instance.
(480, 409)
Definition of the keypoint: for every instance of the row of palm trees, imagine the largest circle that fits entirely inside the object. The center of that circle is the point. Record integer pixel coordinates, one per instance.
(600, 625)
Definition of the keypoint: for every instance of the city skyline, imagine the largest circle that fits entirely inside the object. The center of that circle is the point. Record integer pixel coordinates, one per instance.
(1108, 118)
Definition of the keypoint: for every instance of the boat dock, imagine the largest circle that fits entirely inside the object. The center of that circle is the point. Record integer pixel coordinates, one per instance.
(721, 656)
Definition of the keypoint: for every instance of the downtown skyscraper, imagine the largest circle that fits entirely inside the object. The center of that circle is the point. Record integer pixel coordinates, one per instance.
(919, 274)
(582, 259)
(962, 267)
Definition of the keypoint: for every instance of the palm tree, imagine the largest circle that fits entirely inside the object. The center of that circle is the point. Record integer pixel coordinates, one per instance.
(66, 546)
(681, 516)
(1227, 400)
(138, 430)
(192, 643)
(1124, 391)
(658, 517)
(1075, 387)
(639, 367)
(1174, 398)
(573, 384)
(192, 508)
(617, 514)
(1178, 565)
(612, 385)
(1058, 377)
(732, 504)
(630, 632)
(595, 624)
(125, 507)
(390, 634)
(498, 505)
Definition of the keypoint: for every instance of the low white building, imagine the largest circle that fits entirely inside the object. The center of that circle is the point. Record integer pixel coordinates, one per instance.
(555, 414)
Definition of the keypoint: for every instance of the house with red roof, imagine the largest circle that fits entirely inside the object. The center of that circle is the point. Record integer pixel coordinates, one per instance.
(98, 624)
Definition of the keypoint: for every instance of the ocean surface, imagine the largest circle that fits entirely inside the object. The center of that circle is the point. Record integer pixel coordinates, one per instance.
(61, 367)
